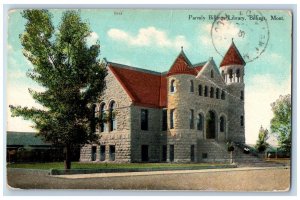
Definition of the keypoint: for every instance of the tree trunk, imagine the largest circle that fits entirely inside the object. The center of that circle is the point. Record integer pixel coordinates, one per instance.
(67, 161)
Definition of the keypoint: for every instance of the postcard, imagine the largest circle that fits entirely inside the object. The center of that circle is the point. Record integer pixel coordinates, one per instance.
(149, 99)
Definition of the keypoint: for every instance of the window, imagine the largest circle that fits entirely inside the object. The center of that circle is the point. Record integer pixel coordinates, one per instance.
(145, 153)
(204, 155)
(102, 117)
(192, 153)
(223, 74)
(211, 92)
(192, 119)
(223, 95)
(164, 120)
(144, 119)
(238, 75)
(205, 91)
(112, 117)
(211, 74)
(102, 152)
(93, 118)
(191, 86)
(242, 120)
(200, 90)
(172, 119)
(230, 75)
(94, 154)
(164, 153)
(112, 152)
(218, 93)
(200, 122)
(171, 153)
(242, 95)
(222, 124)
(172, 86)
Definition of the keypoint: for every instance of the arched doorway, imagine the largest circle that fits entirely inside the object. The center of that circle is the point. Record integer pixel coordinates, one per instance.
(211, 125)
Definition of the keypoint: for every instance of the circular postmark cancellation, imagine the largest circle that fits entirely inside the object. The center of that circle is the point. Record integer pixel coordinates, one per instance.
(248, 28)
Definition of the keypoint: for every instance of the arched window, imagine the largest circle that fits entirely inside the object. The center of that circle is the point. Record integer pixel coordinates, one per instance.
(211, 74)
(172, 119)
(222, 124)
(223, 95)
(112, 117)
(211, 92)
(102, 118)
(191, 86)
(217, 93)
(206, 91)
(230, 75)
(223, 74)
(200, 122)
(200, 90)
(172, 86)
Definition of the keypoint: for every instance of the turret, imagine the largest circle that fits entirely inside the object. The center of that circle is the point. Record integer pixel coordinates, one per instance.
(232, 66)
(232, 70)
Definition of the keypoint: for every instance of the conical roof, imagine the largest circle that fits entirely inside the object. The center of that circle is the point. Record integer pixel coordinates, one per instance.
(232, 57)
(181, 65)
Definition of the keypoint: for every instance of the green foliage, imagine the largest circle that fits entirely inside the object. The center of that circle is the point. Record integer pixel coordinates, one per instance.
(70, 72)
(80, 165)
(281, 122)
(261, 143)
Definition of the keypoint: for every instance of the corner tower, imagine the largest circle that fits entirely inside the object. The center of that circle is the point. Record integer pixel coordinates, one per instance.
(232, 70)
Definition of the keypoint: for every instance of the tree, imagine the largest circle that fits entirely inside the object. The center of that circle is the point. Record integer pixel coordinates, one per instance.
(261, 143)
(70, 72)
(281, 121)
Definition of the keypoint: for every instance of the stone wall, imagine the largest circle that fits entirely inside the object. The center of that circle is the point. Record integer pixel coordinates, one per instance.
(151, 137)
(121, 137)
(183, 100)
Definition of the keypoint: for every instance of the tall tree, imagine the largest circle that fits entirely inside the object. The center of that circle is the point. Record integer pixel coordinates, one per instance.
(70, 72)
(261, 143)
(281, 122)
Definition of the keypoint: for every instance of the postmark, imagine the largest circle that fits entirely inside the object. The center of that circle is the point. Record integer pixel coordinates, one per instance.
(248, 28)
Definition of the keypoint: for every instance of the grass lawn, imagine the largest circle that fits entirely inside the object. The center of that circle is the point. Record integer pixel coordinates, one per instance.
(79, 165)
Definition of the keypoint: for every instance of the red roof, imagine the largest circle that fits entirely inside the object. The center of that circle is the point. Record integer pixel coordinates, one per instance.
(182, 65)
(232, 57)
(148, 88)
(144, 88)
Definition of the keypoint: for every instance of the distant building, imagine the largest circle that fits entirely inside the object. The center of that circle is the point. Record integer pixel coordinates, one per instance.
(27, 147)
(183, 115)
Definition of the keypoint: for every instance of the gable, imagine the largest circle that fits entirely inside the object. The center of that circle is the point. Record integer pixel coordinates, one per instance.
(205, 73)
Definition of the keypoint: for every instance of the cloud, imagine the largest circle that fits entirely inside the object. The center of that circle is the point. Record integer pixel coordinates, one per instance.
(19, 95)
(92, 38)
(147, 37)
(262, 91)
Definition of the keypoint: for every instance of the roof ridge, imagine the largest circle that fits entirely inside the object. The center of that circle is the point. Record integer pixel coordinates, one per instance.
(199, 64)
(134, 68)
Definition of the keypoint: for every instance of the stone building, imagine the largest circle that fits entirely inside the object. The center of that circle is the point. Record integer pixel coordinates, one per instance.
(186, 114)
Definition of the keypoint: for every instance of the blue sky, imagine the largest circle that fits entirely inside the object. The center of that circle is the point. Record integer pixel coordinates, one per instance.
(152, 39)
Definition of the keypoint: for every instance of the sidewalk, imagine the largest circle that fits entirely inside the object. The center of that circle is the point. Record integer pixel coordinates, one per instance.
(125, 174)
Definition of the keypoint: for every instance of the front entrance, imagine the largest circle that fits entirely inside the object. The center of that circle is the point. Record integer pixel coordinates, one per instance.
(145, 155)
(211, 125)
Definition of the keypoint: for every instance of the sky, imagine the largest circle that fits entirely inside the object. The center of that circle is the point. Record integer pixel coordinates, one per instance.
(152, 39)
